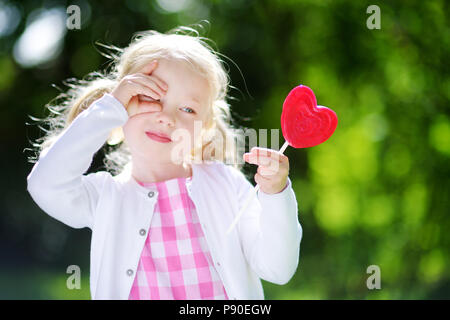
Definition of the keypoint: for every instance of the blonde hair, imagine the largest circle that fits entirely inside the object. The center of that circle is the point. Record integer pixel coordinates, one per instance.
(219, 138)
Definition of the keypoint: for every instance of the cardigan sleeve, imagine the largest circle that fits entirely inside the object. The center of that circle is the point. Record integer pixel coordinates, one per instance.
(269, 231)
(57, 182)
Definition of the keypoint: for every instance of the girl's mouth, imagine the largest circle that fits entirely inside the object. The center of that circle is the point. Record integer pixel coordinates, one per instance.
(158, 137)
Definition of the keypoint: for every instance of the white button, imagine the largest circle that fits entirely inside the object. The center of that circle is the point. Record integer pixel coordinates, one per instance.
(142, 232)
(129, 272)
(151, 194)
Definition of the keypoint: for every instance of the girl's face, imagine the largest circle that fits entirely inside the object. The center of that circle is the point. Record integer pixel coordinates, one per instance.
(185, 104)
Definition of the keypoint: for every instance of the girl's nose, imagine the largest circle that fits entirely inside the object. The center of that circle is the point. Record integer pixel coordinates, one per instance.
(165, 117)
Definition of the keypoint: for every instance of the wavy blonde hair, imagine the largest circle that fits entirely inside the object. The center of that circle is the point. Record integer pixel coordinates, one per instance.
(219, 138)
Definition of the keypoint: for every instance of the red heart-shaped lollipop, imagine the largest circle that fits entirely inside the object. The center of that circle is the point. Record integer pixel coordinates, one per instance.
(303, 123)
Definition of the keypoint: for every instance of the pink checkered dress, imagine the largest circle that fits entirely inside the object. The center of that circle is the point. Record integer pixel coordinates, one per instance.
(175, 262)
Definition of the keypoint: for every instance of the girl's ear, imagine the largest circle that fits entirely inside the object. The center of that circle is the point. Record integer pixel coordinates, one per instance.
(116, 136)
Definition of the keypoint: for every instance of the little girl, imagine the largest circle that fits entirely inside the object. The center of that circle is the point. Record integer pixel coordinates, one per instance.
(159, 225)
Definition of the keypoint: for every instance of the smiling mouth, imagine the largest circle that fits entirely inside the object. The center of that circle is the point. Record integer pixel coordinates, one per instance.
(157, 137)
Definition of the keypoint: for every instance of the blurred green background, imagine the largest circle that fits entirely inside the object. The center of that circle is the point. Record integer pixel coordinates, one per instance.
(376, 193)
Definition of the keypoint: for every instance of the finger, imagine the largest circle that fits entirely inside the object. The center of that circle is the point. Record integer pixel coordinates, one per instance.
(142, 89)
(149, 68)
(143, 107)
(151, 84)
(259, 179)
(266, 172)
(271, 165)
(161, 85)
(265, 152)
(159, 82)
(147, 106)
(261, 160)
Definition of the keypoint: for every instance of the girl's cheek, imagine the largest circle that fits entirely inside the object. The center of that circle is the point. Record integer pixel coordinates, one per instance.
(128, 129)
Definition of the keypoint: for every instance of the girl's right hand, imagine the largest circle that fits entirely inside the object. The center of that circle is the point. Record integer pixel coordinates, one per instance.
(140, 84)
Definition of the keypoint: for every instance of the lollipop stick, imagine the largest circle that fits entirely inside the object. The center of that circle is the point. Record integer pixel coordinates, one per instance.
(250, 197)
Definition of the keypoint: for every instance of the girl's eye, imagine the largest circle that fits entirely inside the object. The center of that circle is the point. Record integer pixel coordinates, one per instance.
(191, 111)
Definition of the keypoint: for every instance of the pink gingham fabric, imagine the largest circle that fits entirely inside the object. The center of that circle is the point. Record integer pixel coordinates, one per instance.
(175, 262)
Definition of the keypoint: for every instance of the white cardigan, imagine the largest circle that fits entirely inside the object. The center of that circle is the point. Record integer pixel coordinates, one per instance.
(265, 243)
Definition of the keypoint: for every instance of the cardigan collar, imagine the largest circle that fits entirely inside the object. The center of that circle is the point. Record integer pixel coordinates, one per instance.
(127, 179)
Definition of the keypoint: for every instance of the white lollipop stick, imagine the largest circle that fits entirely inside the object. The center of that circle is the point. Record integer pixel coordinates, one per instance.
(250, 197)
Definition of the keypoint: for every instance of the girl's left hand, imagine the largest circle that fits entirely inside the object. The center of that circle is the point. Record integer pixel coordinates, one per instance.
(273, 169)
